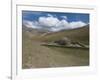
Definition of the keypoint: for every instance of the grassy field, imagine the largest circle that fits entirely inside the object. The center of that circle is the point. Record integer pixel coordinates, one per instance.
(34, 55)
(79, 57)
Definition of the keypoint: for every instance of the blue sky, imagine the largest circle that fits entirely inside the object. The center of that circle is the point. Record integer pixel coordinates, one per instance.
(34, 15)
(38, 17)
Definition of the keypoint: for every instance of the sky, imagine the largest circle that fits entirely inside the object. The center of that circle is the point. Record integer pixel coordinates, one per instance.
(54, 21)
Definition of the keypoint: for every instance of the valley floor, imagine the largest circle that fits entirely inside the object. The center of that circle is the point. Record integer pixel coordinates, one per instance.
(37, 56)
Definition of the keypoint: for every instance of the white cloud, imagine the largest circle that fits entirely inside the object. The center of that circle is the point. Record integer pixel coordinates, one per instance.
(53, 23)
(49, 15)
(77, 24)
(64, 17)
(63, 24)
(48, 21)
(30, 24)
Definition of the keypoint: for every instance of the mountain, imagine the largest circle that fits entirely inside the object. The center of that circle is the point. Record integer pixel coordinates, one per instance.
(34, 55)
(33, 30)
(33, 33)
(79, 34)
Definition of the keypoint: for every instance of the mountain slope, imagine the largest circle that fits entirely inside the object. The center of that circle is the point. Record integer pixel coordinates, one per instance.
(34, 55)
(79, 34)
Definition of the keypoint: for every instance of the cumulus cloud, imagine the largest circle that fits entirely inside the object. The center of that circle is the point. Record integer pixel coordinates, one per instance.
(77, 24)
(29, 24)
(49, 15)
(64, 17)
(52, 23)
(48, 21)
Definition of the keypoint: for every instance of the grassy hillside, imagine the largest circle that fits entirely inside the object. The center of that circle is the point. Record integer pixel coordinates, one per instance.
(79, 35)
(34, 55)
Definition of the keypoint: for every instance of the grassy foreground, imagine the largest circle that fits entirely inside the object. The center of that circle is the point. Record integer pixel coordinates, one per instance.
(34, 55)
(37, 56)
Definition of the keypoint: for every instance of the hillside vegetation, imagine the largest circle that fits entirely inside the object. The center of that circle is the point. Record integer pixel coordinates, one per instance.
(79, 35)
(34, 55)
